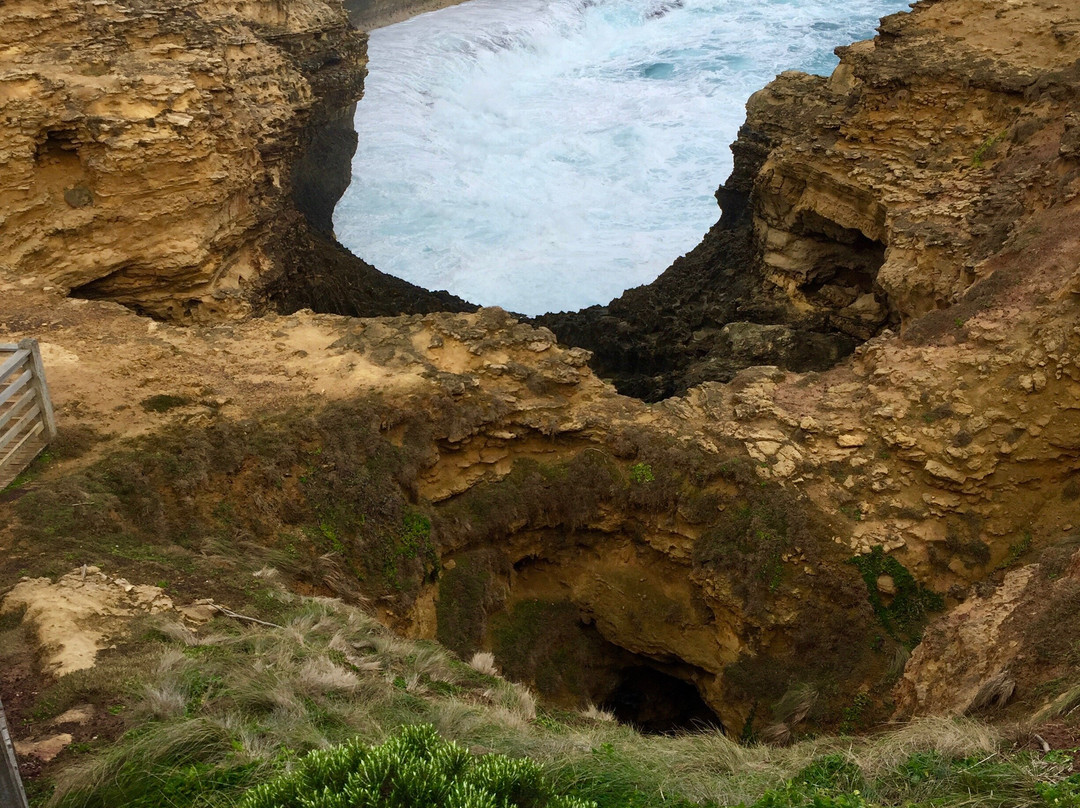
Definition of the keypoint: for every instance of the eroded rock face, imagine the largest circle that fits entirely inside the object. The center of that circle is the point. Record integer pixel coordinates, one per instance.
(534, 474)
(924, 198)
(158, 152)
(778, 529)
(1015, 642)
(865, 200)
(75, 616)
(895, 194)
(147, 148)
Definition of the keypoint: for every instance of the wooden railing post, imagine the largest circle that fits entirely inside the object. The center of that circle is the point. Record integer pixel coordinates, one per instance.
(27, 422)
(40, 388)
(12, 794)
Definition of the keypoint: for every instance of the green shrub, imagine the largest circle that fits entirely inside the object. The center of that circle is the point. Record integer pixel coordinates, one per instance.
(414, 768)
(750, 539)
(546, 644)
(468, 592)
(1065, 794)
(832, 781)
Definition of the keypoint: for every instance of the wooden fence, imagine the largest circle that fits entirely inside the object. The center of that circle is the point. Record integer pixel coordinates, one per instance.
(26, 416)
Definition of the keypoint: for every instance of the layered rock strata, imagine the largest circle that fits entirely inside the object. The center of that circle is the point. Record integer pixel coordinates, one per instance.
(785, 528)
(155, 152)
(861, 201)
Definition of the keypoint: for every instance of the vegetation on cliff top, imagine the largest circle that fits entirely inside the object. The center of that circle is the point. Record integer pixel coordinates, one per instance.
(203, 716)
(231, 707)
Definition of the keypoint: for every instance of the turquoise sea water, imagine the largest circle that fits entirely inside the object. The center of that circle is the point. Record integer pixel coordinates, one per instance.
(543, 155)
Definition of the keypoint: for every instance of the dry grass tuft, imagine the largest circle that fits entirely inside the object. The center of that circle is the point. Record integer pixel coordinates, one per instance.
(995, 692)
(790, 711)
(235, 695)
(594, 713)
(320, 675)
(484, 662)
(951, 737)
(177, 632)
(163, 702)
(1063, 705)
(517, 699)
(776, 734)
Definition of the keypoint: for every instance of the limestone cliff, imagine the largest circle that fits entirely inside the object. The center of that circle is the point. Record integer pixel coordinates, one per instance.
(926, 193)
(158, 152)
(862, 201)
(879, 364)
(924, 198)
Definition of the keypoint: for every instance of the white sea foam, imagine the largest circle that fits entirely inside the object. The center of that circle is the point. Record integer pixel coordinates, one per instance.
(543, 155)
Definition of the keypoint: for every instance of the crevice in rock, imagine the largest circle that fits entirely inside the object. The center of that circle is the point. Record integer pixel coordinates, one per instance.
(720, 309)
(557, 649)
(59, 166)
(831, 270)
(57, 145)
(521, 611)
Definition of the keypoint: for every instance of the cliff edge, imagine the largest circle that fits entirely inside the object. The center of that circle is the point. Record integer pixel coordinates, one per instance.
(181, 157)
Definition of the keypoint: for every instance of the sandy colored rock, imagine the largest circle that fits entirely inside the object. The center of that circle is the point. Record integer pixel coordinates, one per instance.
(45, 749)
(74, 617)
(147, 148)
(1020, 633)
(948, 251)
(76, 715)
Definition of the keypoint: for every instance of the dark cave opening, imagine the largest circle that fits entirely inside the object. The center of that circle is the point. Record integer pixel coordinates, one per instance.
(841, 281)
(556, 649)
(57, 145)
(656, 703)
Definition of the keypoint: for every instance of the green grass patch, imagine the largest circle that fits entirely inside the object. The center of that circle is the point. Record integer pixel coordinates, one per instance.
(413, 768)
(905, 616)
(987, 147)
(231, 707)
(751, 538)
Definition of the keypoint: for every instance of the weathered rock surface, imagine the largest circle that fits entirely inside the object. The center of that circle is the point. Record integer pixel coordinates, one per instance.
(494, 400)
(156, 152)
(75, 617)
(1015, 641)
(369, 14)
(927, 196)
(864, 200)
(707, 536)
